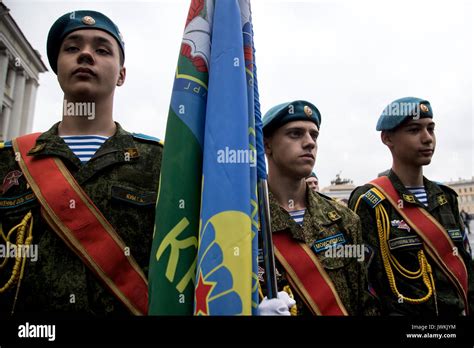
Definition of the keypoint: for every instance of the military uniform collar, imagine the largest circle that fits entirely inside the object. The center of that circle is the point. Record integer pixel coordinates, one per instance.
(319, 213)
(118, 148)
(50, 143)
(121, 141)
(322, 212)
(277, 213)
(434, 194)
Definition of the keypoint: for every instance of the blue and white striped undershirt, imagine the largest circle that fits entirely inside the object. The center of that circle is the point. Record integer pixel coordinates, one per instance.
(298, 216)
(84, 146)
(420, 194)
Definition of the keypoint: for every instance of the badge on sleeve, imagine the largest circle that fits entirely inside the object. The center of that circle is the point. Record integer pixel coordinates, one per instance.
(442, 200)
(400, 224)
(409, 198)
(11, 179)
(333, 215)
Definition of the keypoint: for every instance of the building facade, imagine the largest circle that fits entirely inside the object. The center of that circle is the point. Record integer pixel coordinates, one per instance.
(20, 66)
(340, 189)
(465, 190)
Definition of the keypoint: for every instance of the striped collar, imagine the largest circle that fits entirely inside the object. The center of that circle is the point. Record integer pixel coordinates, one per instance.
(84, 146)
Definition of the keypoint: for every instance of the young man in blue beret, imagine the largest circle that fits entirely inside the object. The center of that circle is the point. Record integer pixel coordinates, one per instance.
(79, 199)
(317, 241)
(420, 266)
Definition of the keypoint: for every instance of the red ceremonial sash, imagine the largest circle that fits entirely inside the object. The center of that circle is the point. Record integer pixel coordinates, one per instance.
(84, 229)
(436, 240)
(307, 276)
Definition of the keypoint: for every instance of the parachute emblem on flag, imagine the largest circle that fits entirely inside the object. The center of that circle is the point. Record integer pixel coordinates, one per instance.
(218, 280)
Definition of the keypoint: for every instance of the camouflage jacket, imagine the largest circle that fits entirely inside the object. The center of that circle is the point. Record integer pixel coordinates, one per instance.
(124, 188)
(442, 205)
(347, 273)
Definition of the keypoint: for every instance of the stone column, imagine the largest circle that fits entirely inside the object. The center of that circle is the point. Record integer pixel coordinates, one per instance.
(11, 80)
(18, 94)
(11, 77)
(6, 120)
(3, 73)
(29, 102)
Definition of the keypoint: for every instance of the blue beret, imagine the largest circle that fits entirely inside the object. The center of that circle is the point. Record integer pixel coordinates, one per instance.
(401, 109)
(298, 110)
(76, 20)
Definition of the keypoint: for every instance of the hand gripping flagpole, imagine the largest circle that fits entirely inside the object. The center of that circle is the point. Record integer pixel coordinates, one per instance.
(263, 202)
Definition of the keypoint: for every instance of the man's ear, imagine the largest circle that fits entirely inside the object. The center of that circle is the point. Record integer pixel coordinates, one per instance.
(387, 138)
(122, 74)
(268, 146)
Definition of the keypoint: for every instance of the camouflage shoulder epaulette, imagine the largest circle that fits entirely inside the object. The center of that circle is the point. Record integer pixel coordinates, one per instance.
(145, 137)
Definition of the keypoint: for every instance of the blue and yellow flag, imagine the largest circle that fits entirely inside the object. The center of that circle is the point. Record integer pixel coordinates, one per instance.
(204, 255)
(173, 256)
(225, 274)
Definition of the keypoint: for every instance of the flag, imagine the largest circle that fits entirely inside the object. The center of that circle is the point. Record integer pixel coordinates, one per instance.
(174, 250)
(225, 275)
(213, 237)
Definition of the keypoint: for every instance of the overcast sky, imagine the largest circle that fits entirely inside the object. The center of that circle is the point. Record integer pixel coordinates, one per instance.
(350, 58)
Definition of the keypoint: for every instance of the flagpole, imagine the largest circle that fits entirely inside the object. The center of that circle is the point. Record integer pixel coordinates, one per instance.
(267, 241)
(262, 192)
